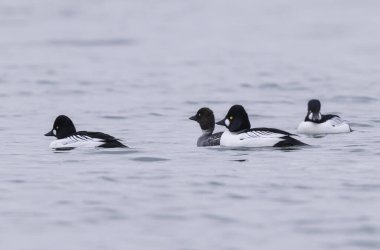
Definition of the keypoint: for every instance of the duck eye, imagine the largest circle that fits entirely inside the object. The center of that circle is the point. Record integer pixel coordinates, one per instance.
(57, 128)
(231, 117)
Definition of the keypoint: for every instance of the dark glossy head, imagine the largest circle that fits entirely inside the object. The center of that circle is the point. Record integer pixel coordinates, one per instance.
(236, 119)
(205, 118)
(62, 127)
(314, 106)
(314, 110)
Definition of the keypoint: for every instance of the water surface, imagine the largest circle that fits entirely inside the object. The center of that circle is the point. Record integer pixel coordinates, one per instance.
(138, 70)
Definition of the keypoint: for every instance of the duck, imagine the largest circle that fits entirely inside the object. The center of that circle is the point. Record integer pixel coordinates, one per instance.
(206, 120)
(316, 123)
(240, 133)
(68, 138)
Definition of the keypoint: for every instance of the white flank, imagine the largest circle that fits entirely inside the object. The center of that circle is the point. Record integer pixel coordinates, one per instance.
(76, 141)
(252, 139)
(333, 126)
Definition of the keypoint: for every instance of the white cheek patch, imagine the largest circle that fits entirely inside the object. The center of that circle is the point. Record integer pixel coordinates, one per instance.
(227, 122)
(319, 116)
(54, 132)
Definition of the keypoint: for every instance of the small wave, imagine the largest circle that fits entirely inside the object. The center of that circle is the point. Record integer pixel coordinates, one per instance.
(246, 85)
(214, 102)
(16, 181)
(108, 179)
(113, 117)
(219, 218)
(25, 93)
(114, 151)
(361, 125)
(74, 92)
(368, 244)
(85, 83)
(215, 183)
(257, 116)
(155, 114)
(149, 159)
(264, 73)
(362, 187)
(93, 42)
(169, 217)
(269, 86)
(357, 99)
(46, 82)
(72, 161)
(238, 196)
(190, 63)
(192, 102)
(292, 86)
(302, 187)
(358, 150)
(63, 202)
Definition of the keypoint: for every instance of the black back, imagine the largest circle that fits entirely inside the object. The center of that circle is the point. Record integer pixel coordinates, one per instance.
(272, 130)
(286, 141)
(109, 141)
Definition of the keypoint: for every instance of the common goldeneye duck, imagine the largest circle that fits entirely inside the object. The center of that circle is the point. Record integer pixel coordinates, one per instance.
(68, 138)
(316, 123)
(205, 118)
(240, 134)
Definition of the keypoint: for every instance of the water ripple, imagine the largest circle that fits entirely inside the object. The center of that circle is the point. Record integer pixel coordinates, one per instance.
(219, 218)
(367, 244)
(150, 159)
(354, 99)
(93, 42)
(114, 117)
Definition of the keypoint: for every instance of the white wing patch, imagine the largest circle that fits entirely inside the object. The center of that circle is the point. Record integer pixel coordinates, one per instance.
(76, 141)
(261, 133)
(336, 121)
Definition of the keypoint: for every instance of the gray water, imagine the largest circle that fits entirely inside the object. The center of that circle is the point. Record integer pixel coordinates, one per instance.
(137, 70)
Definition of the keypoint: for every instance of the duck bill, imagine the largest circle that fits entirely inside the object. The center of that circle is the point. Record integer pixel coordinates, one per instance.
(193, 118)
(221, 122)
(51, 133)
